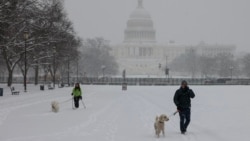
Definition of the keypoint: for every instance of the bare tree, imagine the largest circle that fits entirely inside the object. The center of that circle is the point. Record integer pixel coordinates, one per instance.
(186, 63)
(95, 55)
(49, 30)
(225, 65)
(207, 66)
(246, 65)
(2, 66)
(12, 26)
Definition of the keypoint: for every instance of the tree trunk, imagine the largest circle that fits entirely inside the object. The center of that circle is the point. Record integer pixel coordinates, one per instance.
(10, 66)
(36, 75)
(10, 78)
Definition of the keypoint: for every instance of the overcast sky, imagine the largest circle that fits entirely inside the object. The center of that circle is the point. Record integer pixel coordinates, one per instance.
(185, 21)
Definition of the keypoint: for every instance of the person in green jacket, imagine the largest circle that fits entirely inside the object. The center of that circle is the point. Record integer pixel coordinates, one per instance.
(77, 94)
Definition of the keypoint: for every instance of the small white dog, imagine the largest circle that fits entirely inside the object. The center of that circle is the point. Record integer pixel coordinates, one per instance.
(159, 125)
(55, 106)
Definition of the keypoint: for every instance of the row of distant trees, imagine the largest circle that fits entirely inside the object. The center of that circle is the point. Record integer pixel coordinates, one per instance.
(52, 46)
(96, 58)
(43, 27)
(222, 65)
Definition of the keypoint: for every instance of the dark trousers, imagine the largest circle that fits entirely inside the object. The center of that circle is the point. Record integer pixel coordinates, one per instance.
(185, 115)
(76, 100)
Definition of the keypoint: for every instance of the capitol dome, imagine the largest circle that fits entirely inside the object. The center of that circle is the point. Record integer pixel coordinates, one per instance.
(140, 27)
(140, 13)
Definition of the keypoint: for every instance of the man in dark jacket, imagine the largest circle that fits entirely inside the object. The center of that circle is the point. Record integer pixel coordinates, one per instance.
(182, 100)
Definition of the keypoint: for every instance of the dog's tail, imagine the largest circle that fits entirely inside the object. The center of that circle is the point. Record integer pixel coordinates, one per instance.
(156, 118)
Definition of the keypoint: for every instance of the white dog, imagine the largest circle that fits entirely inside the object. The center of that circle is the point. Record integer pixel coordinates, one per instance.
(55, 106)
(159, 125)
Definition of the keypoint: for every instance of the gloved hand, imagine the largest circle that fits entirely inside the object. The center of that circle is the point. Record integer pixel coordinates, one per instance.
(179, 108)
(80, 97)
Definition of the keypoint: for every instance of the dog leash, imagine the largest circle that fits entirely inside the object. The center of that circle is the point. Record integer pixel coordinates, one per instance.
(174, 113)
(66, 101)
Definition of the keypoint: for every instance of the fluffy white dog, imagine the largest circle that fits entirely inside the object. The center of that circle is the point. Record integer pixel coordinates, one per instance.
(159, 125)
(55, 106)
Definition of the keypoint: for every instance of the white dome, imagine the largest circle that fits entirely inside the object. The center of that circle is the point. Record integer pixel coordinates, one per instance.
(140, 27)
(140, 13)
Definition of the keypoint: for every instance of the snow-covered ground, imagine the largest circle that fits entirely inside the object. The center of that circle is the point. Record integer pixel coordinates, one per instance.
(219, 113)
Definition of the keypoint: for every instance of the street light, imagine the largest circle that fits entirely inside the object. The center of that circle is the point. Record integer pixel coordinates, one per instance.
(159, 66)
(103, 69)
(54, 66)
(231, 70)
(124, 75)
(77, 70)
(36, 67)
(26, 37)
(45, 75)
(167, 72)
(68, 69)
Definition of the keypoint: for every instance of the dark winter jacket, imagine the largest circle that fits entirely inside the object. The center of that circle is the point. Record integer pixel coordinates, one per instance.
(182, 98)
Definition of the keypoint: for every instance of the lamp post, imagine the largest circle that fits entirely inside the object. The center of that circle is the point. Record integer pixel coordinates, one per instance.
(231, 71)
(77, 70)
(103, 69)
(45, 75)
(159, 66)
(36, 69)
(26, 36)
(68, 70)
(124, 75)
(167, 73)
(54, 66)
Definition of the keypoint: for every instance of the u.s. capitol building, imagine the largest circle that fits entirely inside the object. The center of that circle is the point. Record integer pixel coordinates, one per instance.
(140, 54)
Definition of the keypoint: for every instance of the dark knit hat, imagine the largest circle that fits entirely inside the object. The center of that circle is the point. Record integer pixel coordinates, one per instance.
(184, 82)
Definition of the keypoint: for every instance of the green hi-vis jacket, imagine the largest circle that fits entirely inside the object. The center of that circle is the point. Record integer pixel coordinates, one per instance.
(77, 92)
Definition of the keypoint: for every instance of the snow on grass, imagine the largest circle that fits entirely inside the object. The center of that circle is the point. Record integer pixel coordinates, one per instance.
(218, 113)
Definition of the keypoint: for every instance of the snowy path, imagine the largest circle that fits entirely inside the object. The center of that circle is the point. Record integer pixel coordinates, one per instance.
(218, 113)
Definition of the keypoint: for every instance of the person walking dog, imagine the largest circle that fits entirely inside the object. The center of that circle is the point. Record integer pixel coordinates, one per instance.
(182, 100)
(77, 94)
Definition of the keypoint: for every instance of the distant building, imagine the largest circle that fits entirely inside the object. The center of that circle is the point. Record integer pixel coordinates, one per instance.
(140, 54)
